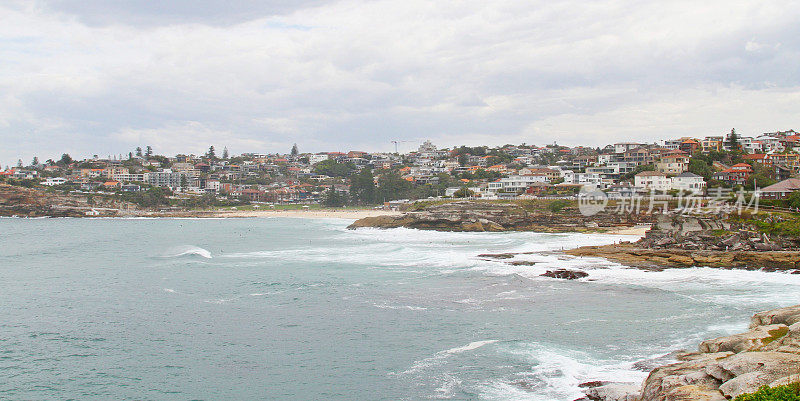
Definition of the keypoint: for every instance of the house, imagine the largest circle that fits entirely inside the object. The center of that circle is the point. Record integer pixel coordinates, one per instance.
(780, 190)
(652, 181)
(131, 188)
(638, 156)
(735, 175)
(111, 185)
(689, 182)
(712, 143)
(690, 146)
(54, 181)
(673, 163)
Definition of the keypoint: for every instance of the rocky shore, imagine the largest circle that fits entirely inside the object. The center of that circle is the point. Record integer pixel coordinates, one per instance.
(502, 216)
(685, 241)
(722, 368)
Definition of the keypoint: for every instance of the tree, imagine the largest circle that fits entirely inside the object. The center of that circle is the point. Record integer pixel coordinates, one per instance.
(139, 151)
(294, 152)
(733, 140)
(391, 186)
(225, 153)
(464, 192)
(334, 199)
(794, 200)
(19, 163)
(184, 181)
(333, 169)
(210, 154)
(362, 187)
(35, 161)
(130, 155)
(148, 152)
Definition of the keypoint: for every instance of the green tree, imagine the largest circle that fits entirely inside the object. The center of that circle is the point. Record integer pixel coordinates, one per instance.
(733, 140)
(35, 161)
(463, 192)
(793, 201)
(148, 152)
(139, 151)
(294, 151)
(334, 199)
(391, 186)
(65, 160)
(211, 154)
(333, 169)
(362, 187)
(225, 153)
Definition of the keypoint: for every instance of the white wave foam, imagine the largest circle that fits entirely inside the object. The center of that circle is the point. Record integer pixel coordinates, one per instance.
(471, 346)
(556, 374)
(188, 250)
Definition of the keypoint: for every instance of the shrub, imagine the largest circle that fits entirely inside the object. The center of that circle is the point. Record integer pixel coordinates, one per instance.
(789, 392)
(557, 206)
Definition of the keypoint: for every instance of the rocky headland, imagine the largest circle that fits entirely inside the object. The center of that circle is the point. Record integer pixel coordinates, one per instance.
(684, 241)
(722, 368)
(28, 202)
(503, 216)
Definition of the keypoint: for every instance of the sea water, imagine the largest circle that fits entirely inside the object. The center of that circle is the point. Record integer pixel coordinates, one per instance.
(304, 309)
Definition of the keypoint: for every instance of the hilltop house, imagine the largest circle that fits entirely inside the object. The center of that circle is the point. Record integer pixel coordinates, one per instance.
(735, 175)
(673, 163)
(689, 182)
(652, 181)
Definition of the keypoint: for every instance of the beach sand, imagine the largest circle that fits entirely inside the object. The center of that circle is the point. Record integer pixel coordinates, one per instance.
(309, 214)
(637, 230)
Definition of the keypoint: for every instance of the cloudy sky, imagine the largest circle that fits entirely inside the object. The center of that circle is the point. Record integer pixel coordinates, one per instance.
(102, 77)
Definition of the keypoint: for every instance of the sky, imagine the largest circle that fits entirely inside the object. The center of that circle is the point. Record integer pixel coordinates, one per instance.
(102, 77)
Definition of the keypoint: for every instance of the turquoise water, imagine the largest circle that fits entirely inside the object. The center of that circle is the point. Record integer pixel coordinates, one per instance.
(304, 309)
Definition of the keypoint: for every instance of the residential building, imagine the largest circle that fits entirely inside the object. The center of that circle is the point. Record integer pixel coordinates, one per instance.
(652, 181)
(735, 175)
(689, 182)
(780, 190)
(674, 163)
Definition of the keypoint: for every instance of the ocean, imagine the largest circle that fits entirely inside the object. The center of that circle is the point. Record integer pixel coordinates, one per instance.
(304, 309)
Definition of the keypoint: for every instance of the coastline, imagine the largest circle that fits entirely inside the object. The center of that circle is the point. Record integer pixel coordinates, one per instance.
(307, 214)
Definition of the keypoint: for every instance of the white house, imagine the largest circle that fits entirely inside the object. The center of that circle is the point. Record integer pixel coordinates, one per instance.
(689, 182)
(515, 183)
(54, 181)
(652, 181)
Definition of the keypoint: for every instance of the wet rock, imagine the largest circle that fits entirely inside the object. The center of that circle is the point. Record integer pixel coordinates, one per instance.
(613, 392)
(749, 341)
(565, 274)
(522, 263)
(496, 255)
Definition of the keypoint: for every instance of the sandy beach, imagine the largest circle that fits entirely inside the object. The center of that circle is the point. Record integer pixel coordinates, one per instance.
(637, 230)
(310, 214)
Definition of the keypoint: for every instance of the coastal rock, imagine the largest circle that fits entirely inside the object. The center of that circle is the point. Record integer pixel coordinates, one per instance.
(694, 393)
(496, 255)
(613, 392)
(750, 341)
(752, 370)
(787, 316)
(664, 379)
(565, 274)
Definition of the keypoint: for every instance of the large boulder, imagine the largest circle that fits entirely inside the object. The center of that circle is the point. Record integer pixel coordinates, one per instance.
(788, 316)
(565, 274)
(613, 392)
(749, 341)
(690, 371)
(751, 370)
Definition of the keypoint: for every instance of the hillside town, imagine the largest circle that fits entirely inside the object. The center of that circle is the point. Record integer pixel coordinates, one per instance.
(767, 164)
